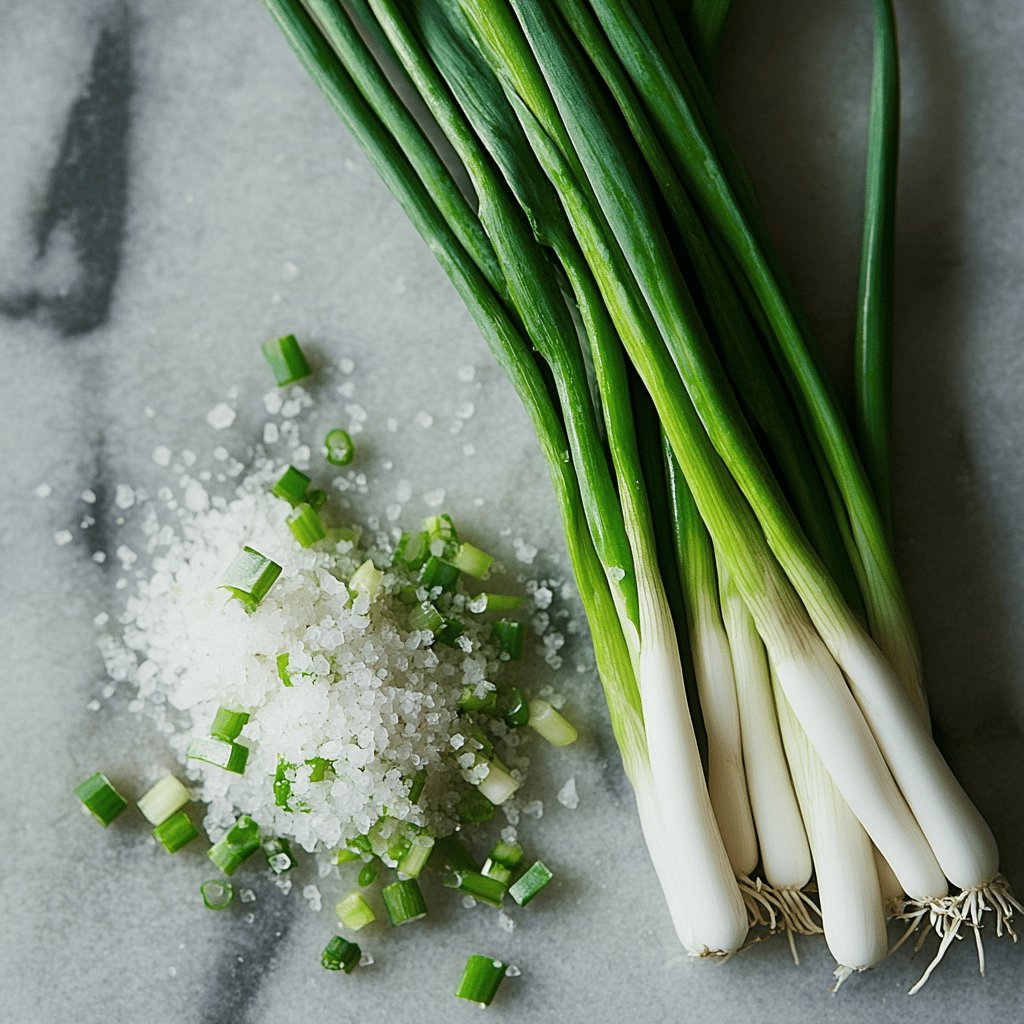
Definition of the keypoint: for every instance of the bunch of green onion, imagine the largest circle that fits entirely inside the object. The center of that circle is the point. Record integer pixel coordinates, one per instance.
(565, 162)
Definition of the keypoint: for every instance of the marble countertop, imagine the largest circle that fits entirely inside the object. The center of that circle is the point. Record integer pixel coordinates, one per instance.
(173, 191)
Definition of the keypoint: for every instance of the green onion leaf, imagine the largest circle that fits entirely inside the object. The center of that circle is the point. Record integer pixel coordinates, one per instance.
(338, 448)
(367, 577)
(509, 635)
(250, 576)
(449, 632)
(439, 573)
(470, 700)
(412, 549)
(453, 852)
(282, 784)
(159, 802)
(305, 525)
(499, 872)
(553, 726)
(353, 911)
(286, 360)
(480, 980)
(473, 807)
(529, 883)
(316, 499)
(509, 854)
(412, 862)
(228, 724)
(242, 841)
(472, 561)
(341, 955)
(426, 616)
(512, 707)
(486, 602)
(416, 786)
(217, 894)
(101, 798)
(442, 529)
(403, 901)
(175, 832)
(224, 754)
(291, 485)
(282, 668)
(368, 873)
(477, 885)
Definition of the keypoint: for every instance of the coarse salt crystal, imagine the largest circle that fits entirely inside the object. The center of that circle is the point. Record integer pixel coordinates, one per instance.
(568, 796)
(124, 496)
(43, 491)
(466, 373)
(62, 537)
(162, 455)
(221, 416)
(424, 419)
(434, 498)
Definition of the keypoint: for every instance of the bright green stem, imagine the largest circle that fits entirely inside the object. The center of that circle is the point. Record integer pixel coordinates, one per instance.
(873, 339)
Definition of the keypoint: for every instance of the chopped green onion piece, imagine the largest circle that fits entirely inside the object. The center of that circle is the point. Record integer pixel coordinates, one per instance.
(472, 561)
(250, 576)
(278, 852)
(480, 980)
(509, 635)
(316, 499)
(426, 616)
(353, 911)
(367, 577)
(416, 786)
(159, 802)
(477, 885)
(497, 785)
(305, 525)
(412, 549)
(416, 856)
(282, 784)
(454, 853)
(441, 528)
(473, 807)
(345, 856)
(368, 873)
(217, 894)
(224, 754)
(449, 632)
(291, 485)
(495, 603)
(341, 955)
(499, 872)
(553, 726)
(439, 573)
(101, 798)
(509, 854)
(338, 448)
(175, 832)
(286, 360)
(474, 732)
(403, 901)
(407, 595)
(228, 724)
(282, 668)
(470, 700)
(512, 707)
(241, 842)
(529, 883)
(319, 767)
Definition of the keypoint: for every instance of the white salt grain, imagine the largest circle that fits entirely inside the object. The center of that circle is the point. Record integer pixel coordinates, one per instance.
(466, 373)
(567, 795)
(124, 496)
(162, 455)
(424, 419)
(89, 496)
(62, 537)
(43, 491)
(434, 498)
(221, 416)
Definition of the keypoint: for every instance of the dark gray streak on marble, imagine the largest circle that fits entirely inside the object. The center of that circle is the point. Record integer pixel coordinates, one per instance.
(87, 192)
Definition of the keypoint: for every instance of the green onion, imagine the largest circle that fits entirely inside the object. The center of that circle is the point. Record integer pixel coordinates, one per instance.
(282, 668)
(425, 616)
(353, 911)
(319, 767)
(472, 561)
(316, 499)
(340, 955)
(480, 980)
(282, 784)
(217, 894)
(403, 901)
(499, 872)
(449, 632)
(528, 884)
(286, 360)
(224, 754)
(175, 832)
(228, 724)
(441, 529)
(477, 885)
(509, 854)
(412, 549)
(98, 794)
(368, 578)
(509, 635)
(159, 802)
(419, 780)
(439, 573)
(453, 852)
(368, 873)
(249, 577)
(512, 707)
(291, 485)
(338, 448)
(551, 724)
(412, 862)
(305, 525)
(278, 852)
(242, 841)
(470, 700)
(473, 807)
(487, 602)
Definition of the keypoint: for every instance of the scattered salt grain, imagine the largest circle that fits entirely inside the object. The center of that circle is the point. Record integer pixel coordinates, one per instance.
(469, 449)
(221, 416)
(99, 557)
(468, 902)
(247, 896)
(43, 491)
(392, 425)
(289, 271)
(89, 496)
(271, 434)
(62, 537)
(162, 455)
(312, 896)
(466, 373)
(434, 498)
(567, 795)
(93, 705)
(464, 410)
(124, 496)
(513, 972)
(272, 402)
(346, 365)
(505, 923)
(424, 419)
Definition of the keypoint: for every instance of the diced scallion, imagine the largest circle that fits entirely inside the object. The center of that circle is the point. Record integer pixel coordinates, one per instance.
(316, 499)
(439, 573)
(412, 549)
(449, 632)
(480, 980)
(403, 901)
(499, 872)
(228, 724)
(282, 668)
(291, 485)
(175, 832)
(473, 807)
(419, 780)
(426, 616)
(341, 955)
(453, 852)
(224, 754)
(512, 707)
(367, 578)
(509, 635)
(368, 873)
(487, 602)
(412, 862)
(242, 841)
(250, 576)
(480, 886)
(471, 700)
(286, 359)
(524, 888)
(353, 911)
(338, 448)
(509, 854)
(217, 894)
(497, 785)
(160, 801)
(441, 529)
(305, 525)
(98, 794)
(551, 724)
(472, 561)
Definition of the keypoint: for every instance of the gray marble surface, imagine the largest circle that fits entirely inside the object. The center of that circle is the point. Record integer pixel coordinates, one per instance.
(172, 191)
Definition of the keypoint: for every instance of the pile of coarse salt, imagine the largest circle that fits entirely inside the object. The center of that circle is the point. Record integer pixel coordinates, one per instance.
(369, 695)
